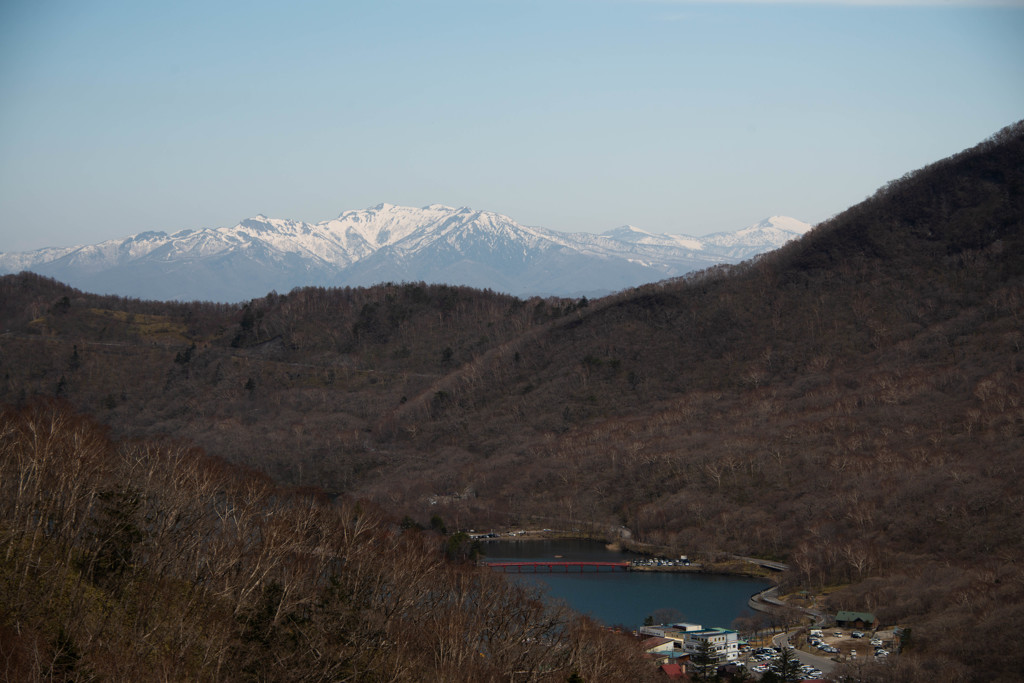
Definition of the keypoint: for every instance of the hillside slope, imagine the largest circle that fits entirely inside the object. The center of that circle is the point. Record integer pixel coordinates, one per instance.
(146, 561)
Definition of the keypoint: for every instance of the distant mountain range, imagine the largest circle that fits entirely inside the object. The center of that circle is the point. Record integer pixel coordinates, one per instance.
(434, 244)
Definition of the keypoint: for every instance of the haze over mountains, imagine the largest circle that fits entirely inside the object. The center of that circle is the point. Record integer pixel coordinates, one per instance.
(387, 243)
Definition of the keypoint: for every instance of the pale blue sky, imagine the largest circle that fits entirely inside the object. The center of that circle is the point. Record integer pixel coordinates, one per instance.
(684, 117)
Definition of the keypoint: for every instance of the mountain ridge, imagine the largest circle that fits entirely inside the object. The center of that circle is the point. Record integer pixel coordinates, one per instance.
(387, 242)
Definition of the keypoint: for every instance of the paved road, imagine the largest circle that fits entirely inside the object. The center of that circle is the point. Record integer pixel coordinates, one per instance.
(777, 566)
(823, 663)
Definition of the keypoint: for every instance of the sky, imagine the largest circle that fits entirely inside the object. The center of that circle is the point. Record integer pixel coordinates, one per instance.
(118, 117)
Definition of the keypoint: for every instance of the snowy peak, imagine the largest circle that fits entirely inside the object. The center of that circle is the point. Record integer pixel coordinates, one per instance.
(628, 233)
(773, 223)
(383, 225)
(771, 233)
(634, 235)
(784, 223)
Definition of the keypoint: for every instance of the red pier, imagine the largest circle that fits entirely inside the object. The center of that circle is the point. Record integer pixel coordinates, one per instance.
(553, 566)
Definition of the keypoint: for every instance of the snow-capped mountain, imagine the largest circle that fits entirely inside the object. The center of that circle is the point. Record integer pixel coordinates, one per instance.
(771, 233)
(391, 243)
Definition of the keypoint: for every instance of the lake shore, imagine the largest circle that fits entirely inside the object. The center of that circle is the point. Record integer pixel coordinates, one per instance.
(587, 574)
(728, 567)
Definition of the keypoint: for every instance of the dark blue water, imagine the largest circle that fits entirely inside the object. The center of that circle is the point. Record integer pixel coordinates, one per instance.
(626, 598)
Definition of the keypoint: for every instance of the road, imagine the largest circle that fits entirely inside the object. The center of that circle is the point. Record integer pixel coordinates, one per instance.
(769, 564)
(825, 664)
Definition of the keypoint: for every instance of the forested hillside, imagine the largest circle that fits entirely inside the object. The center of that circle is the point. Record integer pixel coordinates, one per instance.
(142, 561)
(852, 403)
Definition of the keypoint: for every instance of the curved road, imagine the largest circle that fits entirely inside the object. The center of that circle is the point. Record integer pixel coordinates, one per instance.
(767, 599)
(768, 564)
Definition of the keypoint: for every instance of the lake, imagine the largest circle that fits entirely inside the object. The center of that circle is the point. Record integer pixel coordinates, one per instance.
(626, 598)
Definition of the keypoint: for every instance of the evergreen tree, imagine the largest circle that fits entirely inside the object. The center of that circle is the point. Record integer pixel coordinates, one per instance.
(786, 669)
(705, 663)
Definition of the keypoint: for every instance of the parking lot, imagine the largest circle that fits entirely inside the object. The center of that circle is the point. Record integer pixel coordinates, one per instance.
(819, 650)
(847, 644)
(761, 659)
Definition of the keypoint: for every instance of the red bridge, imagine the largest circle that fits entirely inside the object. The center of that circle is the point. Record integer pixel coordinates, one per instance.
(552, 566)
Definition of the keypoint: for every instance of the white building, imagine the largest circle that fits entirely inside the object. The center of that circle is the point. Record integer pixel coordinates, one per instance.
(723, 641)
(666, 630)
(691, 637)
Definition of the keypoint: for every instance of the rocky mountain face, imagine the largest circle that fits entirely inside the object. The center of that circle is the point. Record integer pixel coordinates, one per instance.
(387, 243)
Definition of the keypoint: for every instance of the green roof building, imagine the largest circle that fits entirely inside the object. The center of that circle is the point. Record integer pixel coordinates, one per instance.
(847, 619)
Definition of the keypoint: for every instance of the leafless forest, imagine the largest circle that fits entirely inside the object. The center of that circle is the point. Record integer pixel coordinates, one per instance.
(852, 404)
